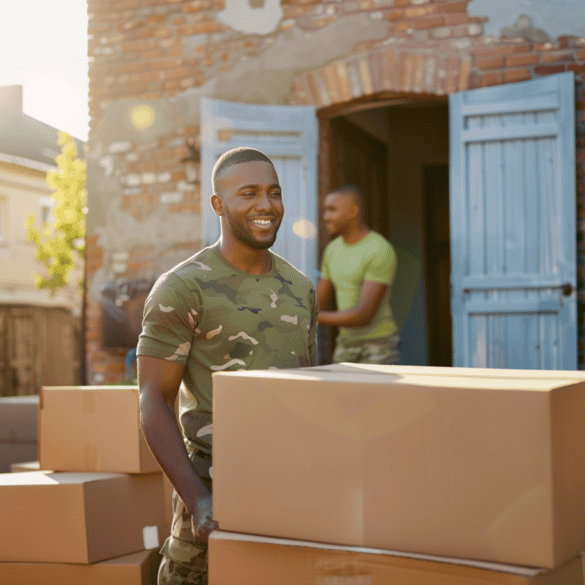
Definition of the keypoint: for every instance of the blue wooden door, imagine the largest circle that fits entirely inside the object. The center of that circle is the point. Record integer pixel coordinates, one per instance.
(288, 135)
(513, 225)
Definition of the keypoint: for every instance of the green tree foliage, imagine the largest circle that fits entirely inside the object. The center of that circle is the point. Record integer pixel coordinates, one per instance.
(61, 241)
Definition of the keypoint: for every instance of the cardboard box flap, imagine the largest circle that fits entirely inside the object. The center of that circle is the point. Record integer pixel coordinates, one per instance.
(42, 478)
(452, 382)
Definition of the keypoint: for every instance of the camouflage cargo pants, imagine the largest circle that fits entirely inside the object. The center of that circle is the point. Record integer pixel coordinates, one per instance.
(189, 563)
(172, 573)
(385, 351)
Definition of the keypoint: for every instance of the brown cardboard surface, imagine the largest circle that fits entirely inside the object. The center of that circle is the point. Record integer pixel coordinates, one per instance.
(250, 560)
(13, 452)
(93, 428)
(487, 468)
(18, 418)
(79, 517)
(136, 569)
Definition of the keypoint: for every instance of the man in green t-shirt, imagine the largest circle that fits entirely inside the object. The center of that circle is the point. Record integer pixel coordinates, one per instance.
(234, 305)
(358, 266)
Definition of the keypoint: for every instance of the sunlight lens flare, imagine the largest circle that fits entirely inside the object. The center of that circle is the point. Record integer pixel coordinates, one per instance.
(304, 229)
(142, 117)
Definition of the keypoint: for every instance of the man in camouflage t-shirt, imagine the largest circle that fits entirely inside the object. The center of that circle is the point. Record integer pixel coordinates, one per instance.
(234, 305)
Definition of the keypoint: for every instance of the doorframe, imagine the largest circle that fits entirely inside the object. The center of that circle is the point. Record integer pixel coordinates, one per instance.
(325, 116)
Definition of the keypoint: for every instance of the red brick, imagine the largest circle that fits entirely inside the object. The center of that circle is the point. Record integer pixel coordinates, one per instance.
(388, 73)
(162, 64)
(517, 75)
(135, 46)
(332, 83)
(418, 69)
(152, 54)
(121, 5)
(197, 5)
(201, 27)
(452, 7)
(549, 69)
(452, 74)
(557, 56)
(577, 69)
(493, 51)
(464, 73)
(491, 79)
(404, 82)
(177, 73)
(522, 59)
(490, 63)
(125, 67)
(456, 18)
(394, 15)
(580, 55)
(428, 22)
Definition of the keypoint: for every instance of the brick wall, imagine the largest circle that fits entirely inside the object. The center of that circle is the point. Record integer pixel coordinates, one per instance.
(155, 49)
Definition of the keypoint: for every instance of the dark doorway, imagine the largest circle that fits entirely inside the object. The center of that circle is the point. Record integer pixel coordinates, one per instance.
(437, 264)
(398, 154)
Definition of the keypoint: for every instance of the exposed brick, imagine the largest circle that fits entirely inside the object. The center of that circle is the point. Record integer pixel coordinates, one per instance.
(517, 75)
(419, 63)
(549, 69)
(577, 69)
(522, 60)
(177, 73)
(407, 62)
(489, 62)
(196, 6)
(452, 7)
(557, 56)
(464, 73)
(492, 51)
(580, 55)
(388, 66)
(429, 22)
(456, 18)
(490, 79)
(453, 74)
(366, 77)
(135, 46)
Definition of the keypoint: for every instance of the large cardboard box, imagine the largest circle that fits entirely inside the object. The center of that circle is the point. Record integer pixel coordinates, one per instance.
(79, 517)
(484, 468)
(167, 492)
(93, 428)
(136, 569)
(253, 560)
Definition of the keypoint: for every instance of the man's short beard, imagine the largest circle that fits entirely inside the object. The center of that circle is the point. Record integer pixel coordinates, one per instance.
(245, 236)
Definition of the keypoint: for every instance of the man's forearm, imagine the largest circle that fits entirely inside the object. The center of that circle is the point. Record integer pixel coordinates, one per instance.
(166, 443)
(347, 318)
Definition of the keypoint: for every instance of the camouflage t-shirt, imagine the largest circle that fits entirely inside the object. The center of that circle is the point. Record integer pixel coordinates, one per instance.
(214, 317)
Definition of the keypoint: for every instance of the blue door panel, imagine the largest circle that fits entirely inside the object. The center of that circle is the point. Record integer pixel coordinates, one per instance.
(513, 260)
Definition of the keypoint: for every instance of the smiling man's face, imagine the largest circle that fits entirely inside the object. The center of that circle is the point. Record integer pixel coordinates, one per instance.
(252, 203)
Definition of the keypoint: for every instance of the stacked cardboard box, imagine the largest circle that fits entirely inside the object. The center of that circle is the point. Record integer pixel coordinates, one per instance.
(484, 467)
(18, 430)
(100, 514)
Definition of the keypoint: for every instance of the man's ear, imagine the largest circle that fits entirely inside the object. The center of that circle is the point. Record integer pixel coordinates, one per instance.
(217, 204)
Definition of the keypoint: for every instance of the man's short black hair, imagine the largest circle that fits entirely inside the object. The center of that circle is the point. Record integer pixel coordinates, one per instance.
(353, 190)
(235, 156)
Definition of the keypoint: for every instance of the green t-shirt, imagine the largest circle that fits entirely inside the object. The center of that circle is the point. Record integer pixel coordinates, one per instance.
(347, 265)
(214, 317)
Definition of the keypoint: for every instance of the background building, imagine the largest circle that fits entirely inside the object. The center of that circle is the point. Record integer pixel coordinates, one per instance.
(489, 236)
(40, 334)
